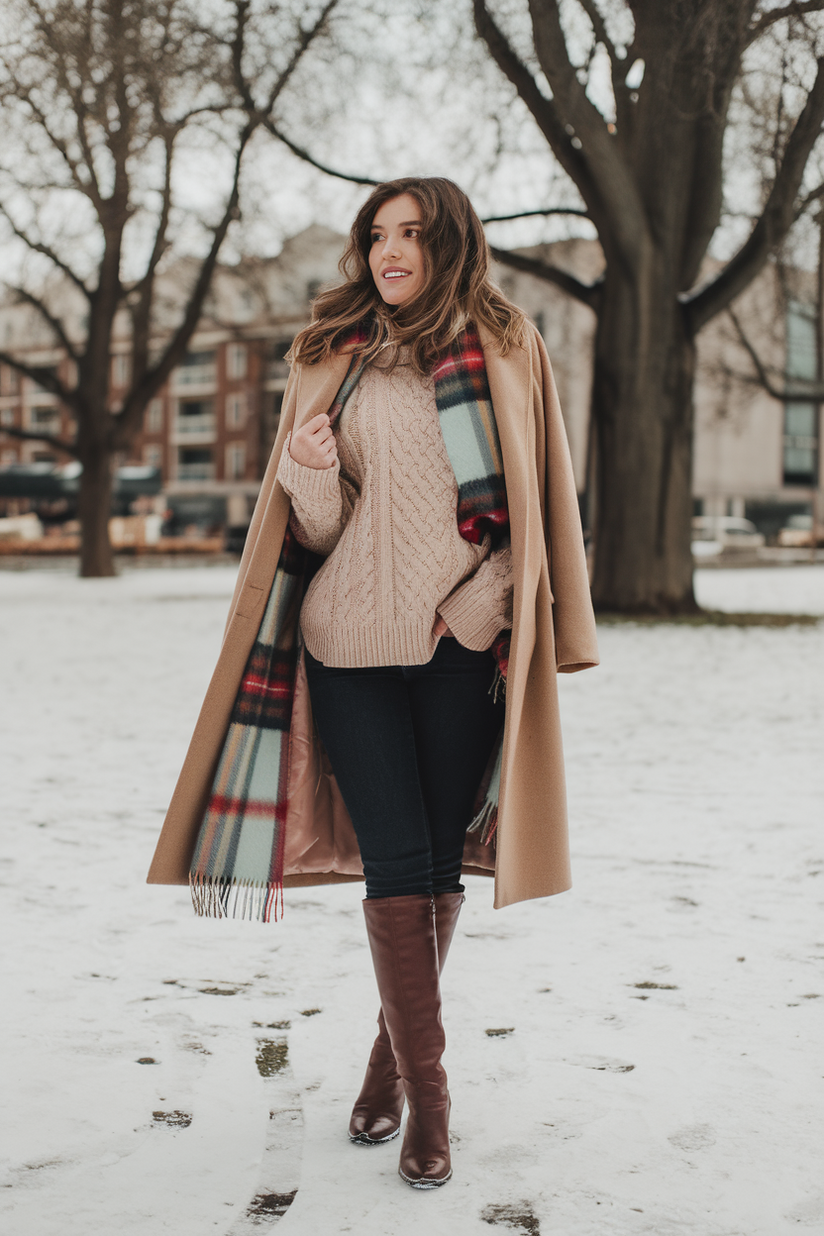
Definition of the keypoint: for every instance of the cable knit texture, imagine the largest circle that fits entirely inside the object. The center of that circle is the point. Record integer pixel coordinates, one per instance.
(385, 514)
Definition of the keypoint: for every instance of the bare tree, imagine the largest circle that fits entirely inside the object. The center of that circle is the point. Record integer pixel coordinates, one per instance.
(650, 170)
(102, 99)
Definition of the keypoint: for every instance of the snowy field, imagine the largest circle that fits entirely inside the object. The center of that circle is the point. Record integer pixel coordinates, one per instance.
(661, 1070)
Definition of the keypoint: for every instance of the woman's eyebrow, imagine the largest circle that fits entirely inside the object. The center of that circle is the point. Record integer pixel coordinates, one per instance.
(409, 223)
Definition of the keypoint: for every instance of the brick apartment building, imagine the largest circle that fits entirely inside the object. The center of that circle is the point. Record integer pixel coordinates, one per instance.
(211, 429)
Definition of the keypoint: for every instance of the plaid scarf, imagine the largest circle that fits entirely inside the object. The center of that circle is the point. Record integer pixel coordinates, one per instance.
(237, 866)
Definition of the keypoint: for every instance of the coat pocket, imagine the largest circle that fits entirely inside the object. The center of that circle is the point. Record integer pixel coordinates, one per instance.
(250, 601)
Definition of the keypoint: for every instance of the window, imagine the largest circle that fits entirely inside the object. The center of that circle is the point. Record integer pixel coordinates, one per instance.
(801, 415)
(43, 416)
(235, 411)
(154, 416)
(800, 443)
(195, 464)
(236, 360)
(235, 461)
(46, 372)
(193, 360)
(153, 455)
(195, 416)
(121, 369)
(196, 369)
(7, 416)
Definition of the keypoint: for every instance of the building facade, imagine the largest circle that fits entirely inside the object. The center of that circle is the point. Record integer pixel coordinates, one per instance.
(211, 428)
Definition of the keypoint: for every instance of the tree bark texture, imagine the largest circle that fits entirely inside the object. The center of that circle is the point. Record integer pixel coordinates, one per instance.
(643, 417)
(94, 503)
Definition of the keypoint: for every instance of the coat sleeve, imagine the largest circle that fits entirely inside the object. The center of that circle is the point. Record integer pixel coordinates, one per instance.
(322, 502)
(576, 645)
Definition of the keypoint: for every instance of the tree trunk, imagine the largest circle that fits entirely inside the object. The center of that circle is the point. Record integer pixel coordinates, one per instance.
(94, 504)
(643, 417)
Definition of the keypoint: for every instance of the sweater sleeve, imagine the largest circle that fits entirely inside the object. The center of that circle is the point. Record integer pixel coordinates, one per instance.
(321, 502)
(481, 607)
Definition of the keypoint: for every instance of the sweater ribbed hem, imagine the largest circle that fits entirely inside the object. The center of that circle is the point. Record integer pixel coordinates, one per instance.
(354, 647)
(469, 623)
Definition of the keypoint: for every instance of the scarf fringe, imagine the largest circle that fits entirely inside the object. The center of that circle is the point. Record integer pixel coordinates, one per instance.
(217, 897)
(498, 688)
(485, 822)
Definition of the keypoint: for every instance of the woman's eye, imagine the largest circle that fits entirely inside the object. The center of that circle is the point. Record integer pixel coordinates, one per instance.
(412, 232)
(376, 236)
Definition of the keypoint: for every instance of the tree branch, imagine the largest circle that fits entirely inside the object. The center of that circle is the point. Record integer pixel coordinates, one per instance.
(776, 219)
(306, 37)
(797, 8)
(546, 115)
(50, 383)
(25, 435)
(49, 318)
(587, 293)
(808, 200)
(146, 386)
(529, 214)
(39, 246)
(599, 27)
(57, 142)
(542, 108)
(272, 128)
(619, 199)
(758, 365)
(793, 388)
(143, 291)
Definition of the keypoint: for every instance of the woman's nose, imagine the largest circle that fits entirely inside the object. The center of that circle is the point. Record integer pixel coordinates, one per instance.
(390, 249)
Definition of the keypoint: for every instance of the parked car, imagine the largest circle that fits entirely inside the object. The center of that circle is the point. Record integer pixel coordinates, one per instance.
(797, 533)
(711, 534)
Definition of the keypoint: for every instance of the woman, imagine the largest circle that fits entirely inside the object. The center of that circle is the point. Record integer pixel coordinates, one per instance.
(393, 592)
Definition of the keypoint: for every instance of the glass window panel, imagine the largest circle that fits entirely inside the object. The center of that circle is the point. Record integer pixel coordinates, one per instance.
(800, 418)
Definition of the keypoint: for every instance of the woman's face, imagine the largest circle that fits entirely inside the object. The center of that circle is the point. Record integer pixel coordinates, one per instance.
(395, 255)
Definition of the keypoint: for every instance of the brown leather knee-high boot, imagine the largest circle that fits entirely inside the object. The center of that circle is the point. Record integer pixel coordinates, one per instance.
(404, 946)
(376, 1116)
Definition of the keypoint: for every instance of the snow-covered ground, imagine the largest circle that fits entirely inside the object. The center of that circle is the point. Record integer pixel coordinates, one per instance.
(661, 1071)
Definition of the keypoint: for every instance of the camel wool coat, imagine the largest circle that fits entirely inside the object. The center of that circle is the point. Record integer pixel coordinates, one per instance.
(553, 630)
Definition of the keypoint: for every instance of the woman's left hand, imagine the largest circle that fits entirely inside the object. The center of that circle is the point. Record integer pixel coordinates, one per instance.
(441, 628)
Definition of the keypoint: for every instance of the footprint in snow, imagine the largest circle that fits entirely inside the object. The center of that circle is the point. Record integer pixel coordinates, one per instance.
(694, 1137)
(515, 1216)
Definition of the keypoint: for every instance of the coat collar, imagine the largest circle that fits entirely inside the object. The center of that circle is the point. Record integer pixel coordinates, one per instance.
(506, 374)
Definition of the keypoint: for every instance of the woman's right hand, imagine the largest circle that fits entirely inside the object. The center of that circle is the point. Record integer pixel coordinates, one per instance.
(314, 445)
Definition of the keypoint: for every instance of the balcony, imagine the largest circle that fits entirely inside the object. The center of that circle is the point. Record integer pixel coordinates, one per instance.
(196, 471)
(188, 377)
(44, 420)
(200, 427)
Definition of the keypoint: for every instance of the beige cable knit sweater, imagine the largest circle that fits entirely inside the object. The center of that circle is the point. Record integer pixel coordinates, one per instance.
(385, 514)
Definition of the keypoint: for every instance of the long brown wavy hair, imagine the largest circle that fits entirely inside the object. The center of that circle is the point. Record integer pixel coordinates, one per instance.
(457, 289)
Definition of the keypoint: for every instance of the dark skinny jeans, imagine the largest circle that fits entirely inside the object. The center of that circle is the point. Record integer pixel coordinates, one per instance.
(408, 746)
